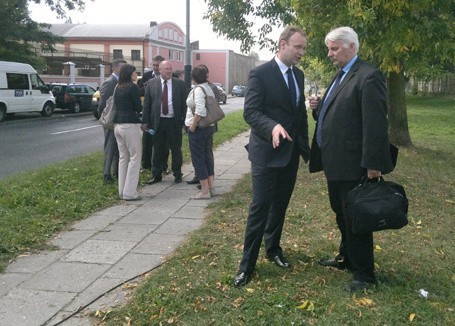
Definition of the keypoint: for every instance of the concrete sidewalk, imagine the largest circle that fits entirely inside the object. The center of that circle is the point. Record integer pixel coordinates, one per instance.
(110, 247)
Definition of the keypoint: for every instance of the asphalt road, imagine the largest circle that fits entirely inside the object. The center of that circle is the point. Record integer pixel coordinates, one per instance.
(29, 141)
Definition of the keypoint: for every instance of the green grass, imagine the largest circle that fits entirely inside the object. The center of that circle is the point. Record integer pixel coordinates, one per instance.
(194, 286)
(36, 206)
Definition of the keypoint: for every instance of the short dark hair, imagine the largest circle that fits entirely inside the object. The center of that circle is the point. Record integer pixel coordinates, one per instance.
(199, 74)
(158, 58)
(289, 31)
(125, 74)
(117, 62)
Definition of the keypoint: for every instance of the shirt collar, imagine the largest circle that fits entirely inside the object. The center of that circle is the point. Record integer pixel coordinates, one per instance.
(349, 65)
(282, 66)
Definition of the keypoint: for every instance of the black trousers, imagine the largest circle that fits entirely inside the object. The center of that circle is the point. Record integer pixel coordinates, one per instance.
(167, 137)
(357, 250)
(272, 190)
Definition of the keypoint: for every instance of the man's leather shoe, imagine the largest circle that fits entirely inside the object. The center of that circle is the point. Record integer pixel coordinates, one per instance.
(241, 279)
(280, 261)
(178, 179)
(154, 180)
(360, 286)
(337, 262)
(193, 181)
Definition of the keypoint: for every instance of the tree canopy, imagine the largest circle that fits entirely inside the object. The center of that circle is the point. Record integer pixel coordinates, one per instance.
(18, 31)
(400, 37)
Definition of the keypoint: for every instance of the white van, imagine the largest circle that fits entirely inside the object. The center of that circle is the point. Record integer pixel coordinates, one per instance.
(22, 90)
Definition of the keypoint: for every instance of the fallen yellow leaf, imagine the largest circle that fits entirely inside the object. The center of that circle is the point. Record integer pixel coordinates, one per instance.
(250, 290)
(411, 317)
(303, 305)
(194, 257)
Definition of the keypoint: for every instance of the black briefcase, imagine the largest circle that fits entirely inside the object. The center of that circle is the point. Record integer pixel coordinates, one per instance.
(377, 205)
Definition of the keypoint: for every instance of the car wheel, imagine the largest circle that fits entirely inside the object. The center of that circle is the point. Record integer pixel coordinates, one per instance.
(2, 113)
(48, 109)
(76, 108)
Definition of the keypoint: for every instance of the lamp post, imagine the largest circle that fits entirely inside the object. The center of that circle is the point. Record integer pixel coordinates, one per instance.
(188, 49)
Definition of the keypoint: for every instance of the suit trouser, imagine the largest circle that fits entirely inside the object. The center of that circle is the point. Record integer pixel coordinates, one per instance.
(271, 191)
(147, 150)
(129, 140)
(167, 137)
(357, 250)
(111, 154)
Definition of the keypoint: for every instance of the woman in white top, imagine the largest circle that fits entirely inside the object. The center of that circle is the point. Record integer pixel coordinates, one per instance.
(200, 139)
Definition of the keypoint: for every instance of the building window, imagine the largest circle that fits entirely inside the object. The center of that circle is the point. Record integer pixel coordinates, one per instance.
(135, 54)
(166, 33)
(118, 54)
(171, 54)
(198, 56)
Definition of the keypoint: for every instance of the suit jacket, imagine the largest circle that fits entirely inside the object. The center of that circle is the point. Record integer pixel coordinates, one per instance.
(354, 128)
(267, 103)
(106, 91)
(151, 109)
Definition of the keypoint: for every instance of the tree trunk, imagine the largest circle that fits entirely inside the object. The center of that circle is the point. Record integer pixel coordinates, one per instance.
(398, 117)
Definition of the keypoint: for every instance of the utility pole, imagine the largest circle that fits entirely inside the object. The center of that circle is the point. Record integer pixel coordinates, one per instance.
(188, 49)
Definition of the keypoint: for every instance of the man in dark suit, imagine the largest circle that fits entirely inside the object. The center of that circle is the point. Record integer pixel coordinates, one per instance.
(164, 111)
(147, 139)
(111, 154)
(351, 141)
(275, 110)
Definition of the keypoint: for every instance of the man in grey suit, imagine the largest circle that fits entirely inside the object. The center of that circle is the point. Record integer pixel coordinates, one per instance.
(111, 154)
(275, 110)
(164, 111)
(351, 141)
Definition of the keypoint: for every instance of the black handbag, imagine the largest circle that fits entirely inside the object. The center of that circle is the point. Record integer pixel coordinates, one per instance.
(377, 205)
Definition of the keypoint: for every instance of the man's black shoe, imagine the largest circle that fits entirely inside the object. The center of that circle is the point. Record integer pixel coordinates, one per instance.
(178, 179)
(337, 262)
(241, 279)
(154, 180)
(193, 181)
(280, 261)
(360, 286)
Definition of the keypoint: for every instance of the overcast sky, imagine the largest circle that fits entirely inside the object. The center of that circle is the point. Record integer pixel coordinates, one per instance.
(144, 11)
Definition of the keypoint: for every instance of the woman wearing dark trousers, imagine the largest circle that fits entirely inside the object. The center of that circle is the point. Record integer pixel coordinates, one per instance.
(200, 139)
(128, 132)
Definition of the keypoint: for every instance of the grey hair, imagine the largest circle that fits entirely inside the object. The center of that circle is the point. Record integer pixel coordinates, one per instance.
(344, 34)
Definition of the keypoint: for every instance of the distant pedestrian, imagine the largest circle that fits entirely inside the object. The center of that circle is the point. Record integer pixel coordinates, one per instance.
(164, 110)
(128, 132)
(111, 154)
(200, 139)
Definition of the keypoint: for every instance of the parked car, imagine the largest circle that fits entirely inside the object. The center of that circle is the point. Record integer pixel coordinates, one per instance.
(238, 90)
(73, 97)
(222, 93)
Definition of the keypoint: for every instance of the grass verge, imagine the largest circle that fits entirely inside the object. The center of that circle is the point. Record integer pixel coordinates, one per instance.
(194, 286)
(35, 206)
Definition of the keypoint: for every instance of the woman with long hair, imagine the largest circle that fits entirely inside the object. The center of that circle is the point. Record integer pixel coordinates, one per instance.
(200, 139)
(128, 133)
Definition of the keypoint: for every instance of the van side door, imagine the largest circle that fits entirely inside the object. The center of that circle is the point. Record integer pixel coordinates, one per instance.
(40, 93)
(19, 92)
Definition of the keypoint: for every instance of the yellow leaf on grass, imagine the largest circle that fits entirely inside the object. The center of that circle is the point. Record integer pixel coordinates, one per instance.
(250, 290)
(307, 305)
(411, 317)
(377, 248)
(194, 257)
(419, 222)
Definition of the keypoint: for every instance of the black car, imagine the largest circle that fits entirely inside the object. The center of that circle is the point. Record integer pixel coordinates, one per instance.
(73, 97)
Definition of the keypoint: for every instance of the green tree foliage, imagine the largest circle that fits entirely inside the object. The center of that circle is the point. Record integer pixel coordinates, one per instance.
(18, 32)
(403, 38)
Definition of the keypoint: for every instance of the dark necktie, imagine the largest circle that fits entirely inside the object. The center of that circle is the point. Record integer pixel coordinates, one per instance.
(323, 110)
(164, 100)
(291, 85)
